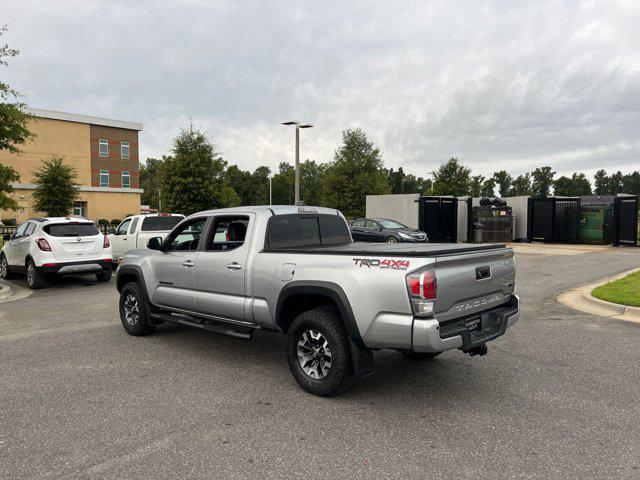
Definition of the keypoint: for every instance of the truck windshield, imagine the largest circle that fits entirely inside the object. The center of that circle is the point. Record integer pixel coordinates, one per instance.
(303, 230)
(155, 224)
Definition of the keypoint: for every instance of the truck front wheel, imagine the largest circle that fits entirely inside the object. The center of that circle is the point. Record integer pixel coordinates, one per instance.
(134, 311)
(318, 352)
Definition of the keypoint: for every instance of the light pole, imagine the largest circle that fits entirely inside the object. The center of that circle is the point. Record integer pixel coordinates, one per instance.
(270, 191)
(297, 165)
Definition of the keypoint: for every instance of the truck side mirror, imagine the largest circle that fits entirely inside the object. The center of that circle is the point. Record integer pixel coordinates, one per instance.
(154, 243)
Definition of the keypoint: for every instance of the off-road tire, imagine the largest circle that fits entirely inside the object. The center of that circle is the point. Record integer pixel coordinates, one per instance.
(35, 279)
(104, 276)
(327, 322)
(140, 325)
(5, 274)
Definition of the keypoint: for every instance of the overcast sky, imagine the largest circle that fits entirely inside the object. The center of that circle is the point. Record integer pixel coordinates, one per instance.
(499, 84)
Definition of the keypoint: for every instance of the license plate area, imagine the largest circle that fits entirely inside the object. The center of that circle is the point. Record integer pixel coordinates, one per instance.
(472, 323)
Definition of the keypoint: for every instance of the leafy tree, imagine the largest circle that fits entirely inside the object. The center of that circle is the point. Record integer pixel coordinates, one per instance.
(56, 189)
(521, 185)
(13, 129)
(192, 178)
(542, 181)
(601, 180)
(283, 185)
(631, 183)
(575, 186)
(311, 175)
(477, 181)
(488, 187)
(402, 182)
(7, 176)
(503, 179)
(13, 121)
(452, 178)
(240, 181)
(356, 171)
(615, 183)
(150, 181)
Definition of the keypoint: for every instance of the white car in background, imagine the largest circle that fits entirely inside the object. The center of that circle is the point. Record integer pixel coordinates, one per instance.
(135, 231)
(46, 247)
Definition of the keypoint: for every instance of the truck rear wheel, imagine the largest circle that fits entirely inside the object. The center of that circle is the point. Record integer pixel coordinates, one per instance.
(318, 352)
(134, 311)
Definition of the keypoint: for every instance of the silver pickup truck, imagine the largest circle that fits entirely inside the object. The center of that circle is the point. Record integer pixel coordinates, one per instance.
(296, 270)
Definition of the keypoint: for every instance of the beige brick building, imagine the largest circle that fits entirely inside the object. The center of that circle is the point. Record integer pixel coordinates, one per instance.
(104, 153)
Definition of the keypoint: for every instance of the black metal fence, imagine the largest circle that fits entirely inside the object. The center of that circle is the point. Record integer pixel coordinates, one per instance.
(625, 230)
(554, 219)
(438, 218)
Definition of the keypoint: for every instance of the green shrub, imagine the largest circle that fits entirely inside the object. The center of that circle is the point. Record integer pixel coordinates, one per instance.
(103, 221)
(115, 221)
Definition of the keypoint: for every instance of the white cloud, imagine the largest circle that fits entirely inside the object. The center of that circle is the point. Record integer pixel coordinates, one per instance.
(500, 84)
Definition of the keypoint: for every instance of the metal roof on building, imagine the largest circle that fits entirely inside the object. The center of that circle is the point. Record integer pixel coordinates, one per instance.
(72, 117)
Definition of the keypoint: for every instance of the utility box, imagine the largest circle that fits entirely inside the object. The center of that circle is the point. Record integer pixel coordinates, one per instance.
(596, 222)
(497, 222)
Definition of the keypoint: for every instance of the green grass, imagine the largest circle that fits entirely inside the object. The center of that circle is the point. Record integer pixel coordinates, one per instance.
(625, 291)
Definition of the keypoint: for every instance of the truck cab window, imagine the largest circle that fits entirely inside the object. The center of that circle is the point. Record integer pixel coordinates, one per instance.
(228, 233)
(186, 237)
(124, 226)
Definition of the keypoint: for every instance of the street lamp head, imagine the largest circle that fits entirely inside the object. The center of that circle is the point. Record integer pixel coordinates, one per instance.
(306, 125)
(291, 123)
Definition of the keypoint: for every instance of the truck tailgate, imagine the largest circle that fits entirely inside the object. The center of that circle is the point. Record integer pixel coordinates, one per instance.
(472, 282)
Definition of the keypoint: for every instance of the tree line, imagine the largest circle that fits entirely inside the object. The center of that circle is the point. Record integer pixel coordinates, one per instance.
(194, 176)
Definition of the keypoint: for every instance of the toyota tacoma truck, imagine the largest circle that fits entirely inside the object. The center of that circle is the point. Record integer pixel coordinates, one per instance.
(296, 270)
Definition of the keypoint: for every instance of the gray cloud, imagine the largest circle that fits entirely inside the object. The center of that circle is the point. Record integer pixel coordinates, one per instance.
(500, 84)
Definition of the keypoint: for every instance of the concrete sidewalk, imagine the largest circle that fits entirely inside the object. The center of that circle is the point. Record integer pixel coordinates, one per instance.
(580, 298)
(564, 249)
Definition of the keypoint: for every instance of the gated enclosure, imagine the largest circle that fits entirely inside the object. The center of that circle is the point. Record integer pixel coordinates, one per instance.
(554, 219)
(438, 217)
(625, 221)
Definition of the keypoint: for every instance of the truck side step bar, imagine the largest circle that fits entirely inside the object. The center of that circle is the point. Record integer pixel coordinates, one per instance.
(242, 332)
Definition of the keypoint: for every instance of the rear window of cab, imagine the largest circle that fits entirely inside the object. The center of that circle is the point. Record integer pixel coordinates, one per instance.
(71, 229)
(155, 224)
(303, 230)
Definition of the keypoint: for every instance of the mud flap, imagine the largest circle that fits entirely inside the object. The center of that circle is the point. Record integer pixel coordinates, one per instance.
(362, 360)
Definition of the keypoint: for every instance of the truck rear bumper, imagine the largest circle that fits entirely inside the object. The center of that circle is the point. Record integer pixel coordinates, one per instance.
(429, 336)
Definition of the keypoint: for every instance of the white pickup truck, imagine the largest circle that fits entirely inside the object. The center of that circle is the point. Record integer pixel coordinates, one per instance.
(135, 231)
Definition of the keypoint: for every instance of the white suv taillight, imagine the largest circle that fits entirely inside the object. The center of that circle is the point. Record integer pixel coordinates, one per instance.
(422, 291)
(105, 243)
(43, 245)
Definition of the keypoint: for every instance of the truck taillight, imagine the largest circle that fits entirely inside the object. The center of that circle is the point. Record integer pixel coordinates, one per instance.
(43, 245)
(422, 291)
(105, 243)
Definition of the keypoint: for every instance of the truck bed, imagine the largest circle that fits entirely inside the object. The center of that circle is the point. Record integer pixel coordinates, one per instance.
(392, 249)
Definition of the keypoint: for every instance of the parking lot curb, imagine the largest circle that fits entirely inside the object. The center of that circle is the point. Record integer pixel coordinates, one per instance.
(5, 291)
(581, 298)
(8, 293)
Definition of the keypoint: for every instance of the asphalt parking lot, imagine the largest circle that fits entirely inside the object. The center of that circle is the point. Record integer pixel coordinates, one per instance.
(557, 397)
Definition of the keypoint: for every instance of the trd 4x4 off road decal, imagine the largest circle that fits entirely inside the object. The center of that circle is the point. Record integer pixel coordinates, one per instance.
(386, 264)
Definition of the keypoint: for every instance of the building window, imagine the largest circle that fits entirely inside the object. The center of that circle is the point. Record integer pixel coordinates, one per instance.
(124, 150)
(104, 178)
(103, 147)
(126, 179)
(78, 209)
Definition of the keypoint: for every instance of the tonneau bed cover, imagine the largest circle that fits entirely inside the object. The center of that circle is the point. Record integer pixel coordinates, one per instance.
(387, 249)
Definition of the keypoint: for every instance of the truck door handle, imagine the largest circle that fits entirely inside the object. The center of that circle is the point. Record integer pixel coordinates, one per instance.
(188, 263)
(234, 266)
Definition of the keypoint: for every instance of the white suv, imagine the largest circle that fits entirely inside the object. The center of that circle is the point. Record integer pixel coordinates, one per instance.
(45, 247)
